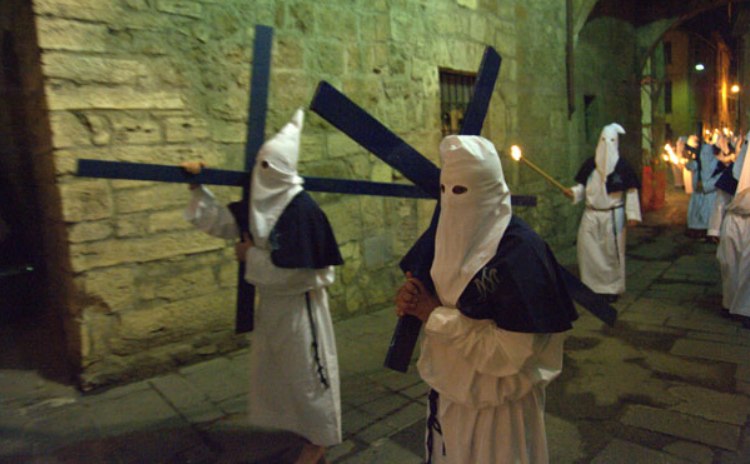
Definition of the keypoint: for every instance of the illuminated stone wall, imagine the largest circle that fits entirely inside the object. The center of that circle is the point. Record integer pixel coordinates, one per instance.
(163, 81)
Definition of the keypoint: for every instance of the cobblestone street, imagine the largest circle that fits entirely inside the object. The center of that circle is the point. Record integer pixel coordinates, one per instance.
(669, 384)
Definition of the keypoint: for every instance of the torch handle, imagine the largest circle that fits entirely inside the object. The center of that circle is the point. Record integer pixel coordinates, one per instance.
(549, 178)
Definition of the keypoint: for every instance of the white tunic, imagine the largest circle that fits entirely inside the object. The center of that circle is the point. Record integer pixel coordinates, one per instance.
(733, 254)
(702, 199)
(491, 389)
(286, 391)
(601, 235)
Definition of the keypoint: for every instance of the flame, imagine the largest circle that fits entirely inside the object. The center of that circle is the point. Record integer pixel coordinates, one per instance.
(515, 152)
(673, 158)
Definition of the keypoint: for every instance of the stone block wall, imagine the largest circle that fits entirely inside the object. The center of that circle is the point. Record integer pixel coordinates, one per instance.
(164, 81)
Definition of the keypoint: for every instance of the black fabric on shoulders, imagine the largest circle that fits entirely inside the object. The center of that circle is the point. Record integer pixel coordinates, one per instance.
(726, 181)
(302, 236)
(621, 179)
(521, 288)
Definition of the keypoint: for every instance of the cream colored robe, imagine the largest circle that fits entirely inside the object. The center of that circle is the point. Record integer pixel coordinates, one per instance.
(601, 234)
(491, 384)
(285, 389)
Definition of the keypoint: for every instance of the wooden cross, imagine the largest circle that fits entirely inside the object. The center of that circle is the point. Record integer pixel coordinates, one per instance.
(345, 115)
(255, 136)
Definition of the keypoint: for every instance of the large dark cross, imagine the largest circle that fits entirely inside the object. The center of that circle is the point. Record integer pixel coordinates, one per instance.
(258, 102)
(345, 115)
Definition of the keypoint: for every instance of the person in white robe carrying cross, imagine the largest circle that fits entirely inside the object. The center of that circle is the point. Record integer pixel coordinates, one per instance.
(294, 378)
(493, 332)
(610, 187)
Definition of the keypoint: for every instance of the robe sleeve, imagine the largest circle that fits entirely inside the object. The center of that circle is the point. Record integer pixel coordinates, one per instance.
(260, 270)
(475, 363)
(632, 205)
(205, 213)
(579, 193)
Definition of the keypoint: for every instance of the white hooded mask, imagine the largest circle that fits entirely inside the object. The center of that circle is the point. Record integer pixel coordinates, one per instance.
(274, 180)
(607, 150)
(475, 211)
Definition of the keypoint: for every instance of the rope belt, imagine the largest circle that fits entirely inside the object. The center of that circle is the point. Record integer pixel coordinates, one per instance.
(316, 355)
(605, 209)
(433, 424)
(614, 225)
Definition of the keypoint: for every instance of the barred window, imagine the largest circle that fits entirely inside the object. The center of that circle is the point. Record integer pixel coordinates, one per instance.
(456, 90)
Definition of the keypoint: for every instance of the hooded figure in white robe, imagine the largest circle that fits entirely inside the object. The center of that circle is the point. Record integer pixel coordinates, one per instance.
(705, 175)
(494, 322)
(733, 252)
(294, 378)
(724, 185)
(610, 187)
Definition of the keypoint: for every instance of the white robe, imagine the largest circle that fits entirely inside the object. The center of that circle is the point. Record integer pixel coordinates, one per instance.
(717, 214)
(491, 384)
(701, 203)
(601, 234)
(286, 391)
(733, 254)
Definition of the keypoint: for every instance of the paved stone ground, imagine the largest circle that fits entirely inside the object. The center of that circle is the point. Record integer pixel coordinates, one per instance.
(669, 384)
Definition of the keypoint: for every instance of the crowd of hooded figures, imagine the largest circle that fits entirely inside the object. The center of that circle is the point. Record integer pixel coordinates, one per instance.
(717, 178)
(493, 336)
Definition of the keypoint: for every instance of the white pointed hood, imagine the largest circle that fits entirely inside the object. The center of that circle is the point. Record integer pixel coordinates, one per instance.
(607, 150)
(275, 181)
(471, 222)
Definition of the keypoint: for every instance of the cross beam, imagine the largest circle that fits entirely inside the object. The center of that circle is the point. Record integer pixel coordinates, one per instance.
(364, 129)
(258, 103)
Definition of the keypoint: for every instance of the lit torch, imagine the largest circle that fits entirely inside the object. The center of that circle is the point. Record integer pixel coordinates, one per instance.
(515, 153)
(672, 158)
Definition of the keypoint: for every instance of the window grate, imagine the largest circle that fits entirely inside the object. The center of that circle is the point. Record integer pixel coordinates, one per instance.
(456, 90)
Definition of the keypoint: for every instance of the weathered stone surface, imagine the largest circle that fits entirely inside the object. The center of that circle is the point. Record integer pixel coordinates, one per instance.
(86, 69)
(135, 128)
(111, 98)
(89, 231)
(114, 287)
(185, 129)
(563, 440)
(683, 426)
(180, 7)
(90, 255)
(86, 200)
(179, 286)
(622, 452)
(164, 221)
(710, 350)
(157, 197)
(173, 321)
(68, 130)
(62, 34)
(709, 404)
(690, 452)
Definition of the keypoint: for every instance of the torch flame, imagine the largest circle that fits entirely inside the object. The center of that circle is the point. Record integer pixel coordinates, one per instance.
(673, 158)
(515, 152)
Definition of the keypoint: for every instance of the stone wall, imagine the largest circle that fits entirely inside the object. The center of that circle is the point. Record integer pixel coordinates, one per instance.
(163, 81)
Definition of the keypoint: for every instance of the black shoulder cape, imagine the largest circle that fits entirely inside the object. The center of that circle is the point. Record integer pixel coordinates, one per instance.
(620, 180)
(302, 236)
(726, 181)
(521, 288)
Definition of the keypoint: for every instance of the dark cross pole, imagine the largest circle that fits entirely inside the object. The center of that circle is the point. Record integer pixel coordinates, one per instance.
(354, 121)
(255, 136)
